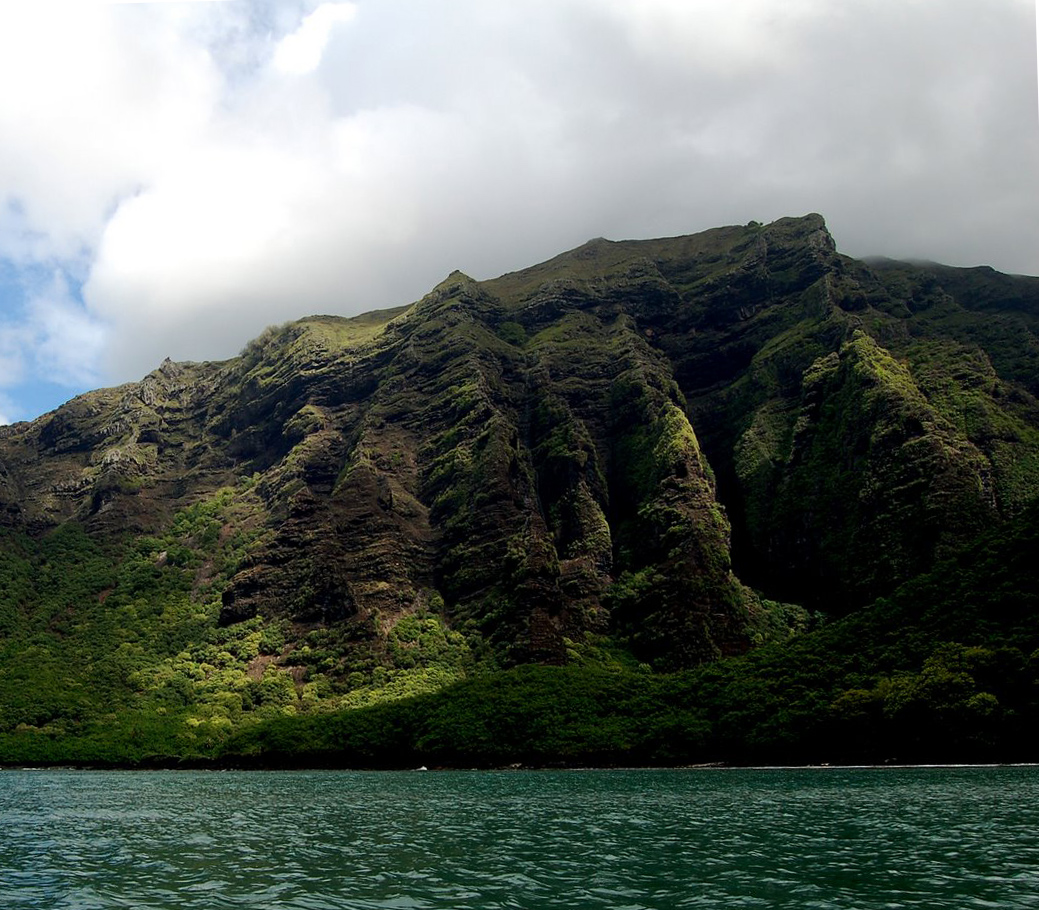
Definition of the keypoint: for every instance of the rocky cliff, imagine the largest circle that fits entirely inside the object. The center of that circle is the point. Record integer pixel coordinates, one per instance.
(656, 444)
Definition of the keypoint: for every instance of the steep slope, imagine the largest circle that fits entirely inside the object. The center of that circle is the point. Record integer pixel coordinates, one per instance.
(862, 420)
(540, 468)
(473, 477)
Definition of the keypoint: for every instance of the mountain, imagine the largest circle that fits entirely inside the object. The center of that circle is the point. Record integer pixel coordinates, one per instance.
(660, 452)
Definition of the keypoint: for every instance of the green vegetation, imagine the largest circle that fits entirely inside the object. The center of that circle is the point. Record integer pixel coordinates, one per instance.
(726, 497)
(944, 670)
(118, 657)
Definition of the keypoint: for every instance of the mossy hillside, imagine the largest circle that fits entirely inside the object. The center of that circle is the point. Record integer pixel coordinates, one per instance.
(911, 678)
(110, 458)
(978, 308)
(419, 469)
(741, 337)
(775, 279)
(747, 426)
(119, 651)
(777, 362)
(671, 537)
(875, 478)
(336, 472)
(512, 466)
(323, 363)
(739, 355)
(492, 558)
(573, 496)
(962, 385)
(127, 458)
(509, 428)
(764, 299)
(617, 439)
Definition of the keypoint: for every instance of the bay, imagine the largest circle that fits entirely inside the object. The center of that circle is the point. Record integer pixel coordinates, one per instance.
(704, 838)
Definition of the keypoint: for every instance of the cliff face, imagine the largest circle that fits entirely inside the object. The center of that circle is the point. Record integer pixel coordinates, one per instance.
(586, 446)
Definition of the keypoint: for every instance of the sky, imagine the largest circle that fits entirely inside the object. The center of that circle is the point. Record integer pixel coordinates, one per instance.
(174, 177)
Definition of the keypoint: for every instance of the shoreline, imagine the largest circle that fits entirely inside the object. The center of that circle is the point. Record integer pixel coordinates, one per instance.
(218, 767)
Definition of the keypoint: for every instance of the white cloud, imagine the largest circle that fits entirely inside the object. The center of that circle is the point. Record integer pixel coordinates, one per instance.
(68, 342)
(301, 51)
(5, 409)
(728, 36)
(13, 343)
(48, 337)
(211, 168)
(96, 102)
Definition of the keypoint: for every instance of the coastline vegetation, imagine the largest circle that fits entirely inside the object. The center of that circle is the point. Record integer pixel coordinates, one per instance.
(945, 669)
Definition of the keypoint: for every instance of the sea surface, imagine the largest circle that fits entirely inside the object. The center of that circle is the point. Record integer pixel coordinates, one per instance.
(814, 838)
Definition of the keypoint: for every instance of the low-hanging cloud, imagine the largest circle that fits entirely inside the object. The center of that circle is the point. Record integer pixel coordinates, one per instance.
(211, 169)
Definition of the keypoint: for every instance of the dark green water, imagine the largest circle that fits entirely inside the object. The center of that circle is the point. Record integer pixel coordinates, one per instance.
(857, 839)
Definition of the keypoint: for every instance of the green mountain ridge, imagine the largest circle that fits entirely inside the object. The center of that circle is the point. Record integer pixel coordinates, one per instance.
(640, 454)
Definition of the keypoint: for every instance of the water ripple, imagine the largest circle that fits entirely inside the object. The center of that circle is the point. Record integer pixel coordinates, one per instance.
(864, 839)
